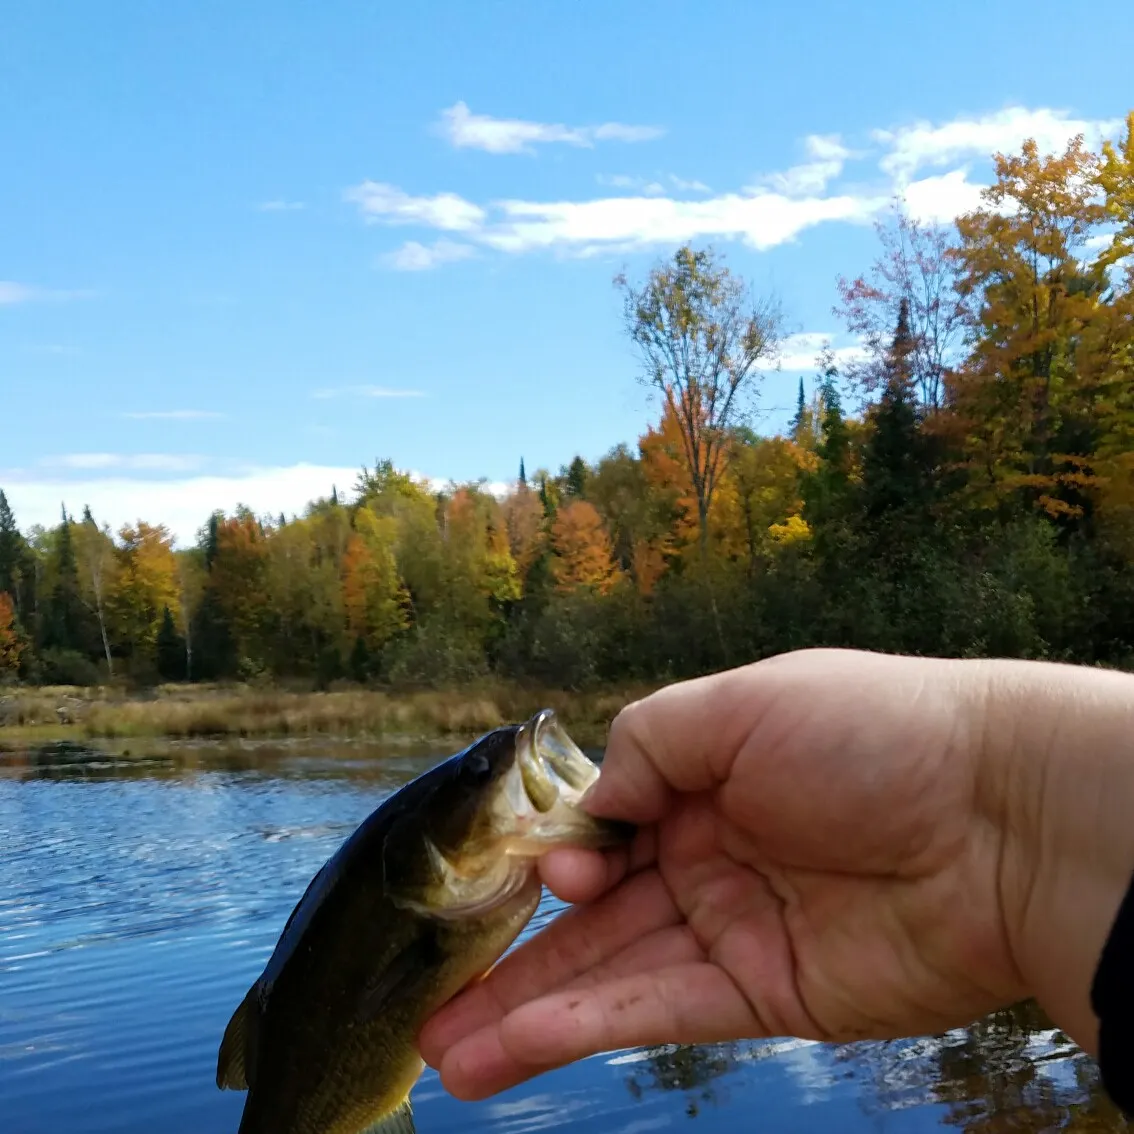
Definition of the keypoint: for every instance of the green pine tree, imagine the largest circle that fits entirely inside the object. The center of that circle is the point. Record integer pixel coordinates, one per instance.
(577, 478)
(11, 549)
(170, 649)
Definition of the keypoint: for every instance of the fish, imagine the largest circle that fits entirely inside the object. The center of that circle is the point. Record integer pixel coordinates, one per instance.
(422, 899)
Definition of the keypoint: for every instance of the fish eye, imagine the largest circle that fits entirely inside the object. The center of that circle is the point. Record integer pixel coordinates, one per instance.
(476, 768)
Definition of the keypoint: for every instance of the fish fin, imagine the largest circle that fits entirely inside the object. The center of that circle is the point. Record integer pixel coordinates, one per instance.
(398, 1121)
(236, 1060)
(411, 968)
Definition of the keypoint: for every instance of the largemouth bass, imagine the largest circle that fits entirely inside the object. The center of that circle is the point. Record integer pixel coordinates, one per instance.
(425, 896)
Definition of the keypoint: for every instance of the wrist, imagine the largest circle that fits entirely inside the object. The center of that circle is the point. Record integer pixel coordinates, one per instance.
(1059, 745)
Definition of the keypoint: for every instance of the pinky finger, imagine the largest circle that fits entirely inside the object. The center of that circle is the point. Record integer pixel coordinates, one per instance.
(686, 1003)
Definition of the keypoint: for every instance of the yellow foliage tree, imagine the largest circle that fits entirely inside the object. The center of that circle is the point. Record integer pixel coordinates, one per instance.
(374, 597)
(145, 583)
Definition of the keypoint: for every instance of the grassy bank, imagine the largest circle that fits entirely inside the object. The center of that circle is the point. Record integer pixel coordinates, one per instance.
(217, 711)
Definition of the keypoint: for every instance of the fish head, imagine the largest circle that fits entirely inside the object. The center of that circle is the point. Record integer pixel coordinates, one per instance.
(495, 808)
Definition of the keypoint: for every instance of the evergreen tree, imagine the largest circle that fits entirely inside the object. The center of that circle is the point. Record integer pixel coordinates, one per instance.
(66, 618)
(800, 411)
(523, 474)
(896, 467)
(11, 550)
(577, 478)
(170, 649)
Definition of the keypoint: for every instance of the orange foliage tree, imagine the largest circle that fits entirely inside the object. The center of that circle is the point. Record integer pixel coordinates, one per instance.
(582, 549)
(11, 644)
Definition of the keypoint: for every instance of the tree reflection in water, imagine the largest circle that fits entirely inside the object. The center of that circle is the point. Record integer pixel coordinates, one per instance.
(693, 1070)
(1011, 1071)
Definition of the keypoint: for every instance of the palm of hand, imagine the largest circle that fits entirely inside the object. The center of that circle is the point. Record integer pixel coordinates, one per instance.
(812, 892)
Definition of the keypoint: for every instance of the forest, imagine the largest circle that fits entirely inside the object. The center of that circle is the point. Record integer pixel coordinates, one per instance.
(963, 485)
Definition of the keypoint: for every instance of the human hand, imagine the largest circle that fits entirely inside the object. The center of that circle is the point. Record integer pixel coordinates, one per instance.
(835, 845)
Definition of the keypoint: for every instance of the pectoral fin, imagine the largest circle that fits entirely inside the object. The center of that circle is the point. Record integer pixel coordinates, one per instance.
(236, 1060)
(398, 1121)
(408, 976)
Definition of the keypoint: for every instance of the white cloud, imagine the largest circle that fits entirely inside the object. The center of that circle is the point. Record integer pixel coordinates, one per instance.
(413, 256)
(923, 144)
(801, 352)
(466, 130)
(150, 462)
(760, 219)
(381, 202)
(280, 206)
(828, 156)
(940, 199)
(184, 505)
(172, 415)
(367, 392)
(926, 165)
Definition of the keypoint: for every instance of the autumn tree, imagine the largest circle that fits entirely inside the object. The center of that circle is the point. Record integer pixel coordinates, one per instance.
(582, 549)
(1116, 180)
(917, 273)
(375, 600)
(11, 644)
(701, 336)
(145, 586)
(1020, 394)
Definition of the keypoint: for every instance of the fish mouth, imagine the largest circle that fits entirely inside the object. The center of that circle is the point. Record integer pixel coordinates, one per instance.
(553, 768)
(544, 792)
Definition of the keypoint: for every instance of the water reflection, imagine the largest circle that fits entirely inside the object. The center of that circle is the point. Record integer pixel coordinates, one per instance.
(142, 890)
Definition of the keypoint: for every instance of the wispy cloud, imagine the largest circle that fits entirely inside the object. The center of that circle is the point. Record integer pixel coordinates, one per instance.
(466, 130)
(366, 392)
(172, 415)
(922, 144)
(652, 187)
(446, 211)
(12, 293)
(280, 206)
(413, 256)
(759, 218)
(144, 462)
(929, 166)
(801, 352)
(827, 156)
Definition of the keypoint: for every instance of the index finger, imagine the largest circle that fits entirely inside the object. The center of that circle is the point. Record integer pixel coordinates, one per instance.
(683, 738)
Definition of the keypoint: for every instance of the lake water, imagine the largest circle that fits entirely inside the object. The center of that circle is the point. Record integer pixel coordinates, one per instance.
(140, 896)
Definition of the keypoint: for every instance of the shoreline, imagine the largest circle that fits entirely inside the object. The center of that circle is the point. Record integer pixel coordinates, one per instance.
(37, 715)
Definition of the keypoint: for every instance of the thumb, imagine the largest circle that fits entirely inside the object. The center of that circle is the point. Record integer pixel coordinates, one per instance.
(683, 738)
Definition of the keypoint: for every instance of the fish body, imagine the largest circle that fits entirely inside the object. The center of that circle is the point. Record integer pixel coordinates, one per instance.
(423, 897)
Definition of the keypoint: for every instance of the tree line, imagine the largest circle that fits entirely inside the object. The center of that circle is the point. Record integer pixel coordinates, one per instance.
(962, 485)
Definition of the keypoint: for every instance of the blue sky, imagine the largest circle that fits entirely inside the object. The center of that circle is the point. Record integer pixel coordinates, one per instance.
(245, 249)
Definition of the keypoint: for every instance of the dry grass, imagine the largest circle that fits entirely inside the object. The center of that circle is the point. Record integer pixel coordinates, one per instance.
(243, 711)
